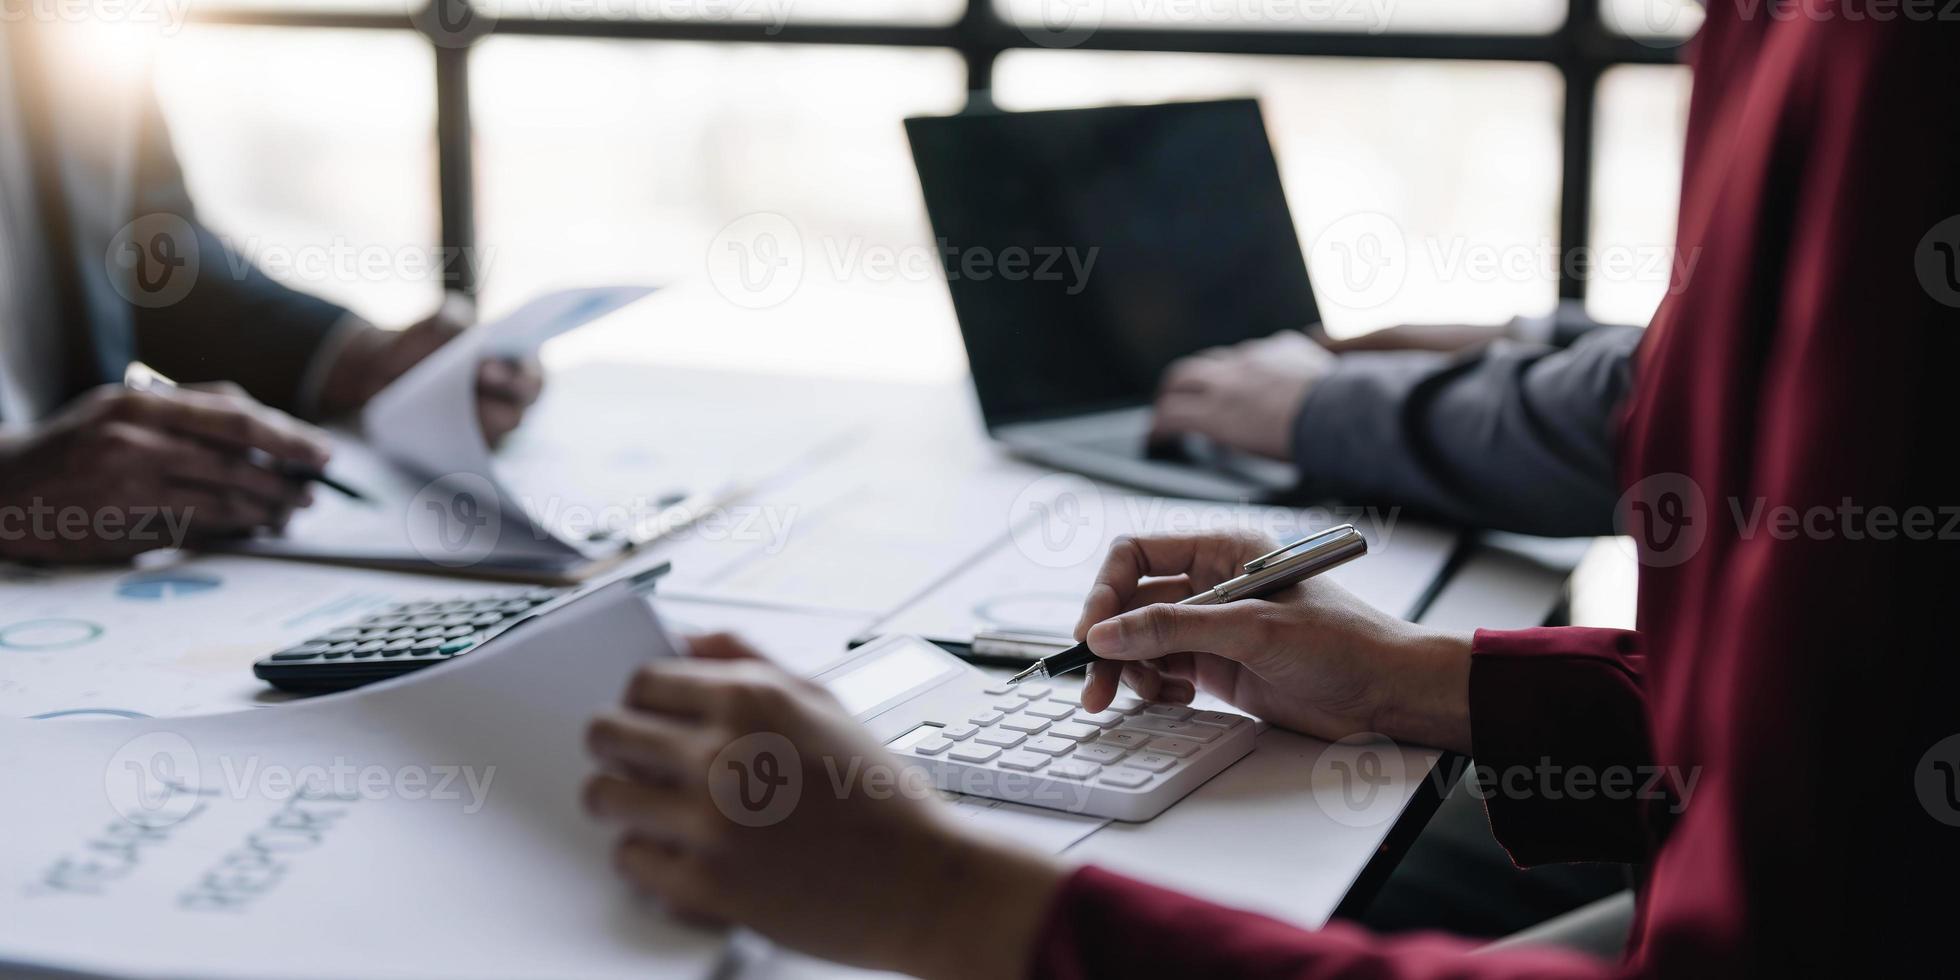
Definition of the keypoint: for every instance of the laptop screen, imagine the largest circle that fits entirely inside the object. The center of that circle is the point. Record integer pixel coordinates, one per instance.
(1087, 249)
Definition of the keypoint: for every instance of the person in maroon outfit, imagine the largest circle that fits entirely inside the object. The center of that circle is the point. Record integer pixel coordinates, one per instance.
(1789, 484)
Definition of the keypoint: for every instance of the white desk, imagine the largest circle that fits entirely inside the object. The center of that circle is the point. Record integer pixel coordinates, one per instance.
(1255, 837)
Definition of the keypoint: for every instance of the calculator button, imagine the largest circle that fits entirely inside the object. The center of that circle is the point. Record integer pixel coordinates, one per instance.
(427, 646)
(970, 752)
(1050, 710)
(487, 619)
(1073, 769)
(343, 649)
(1023, 723)
(1222, 719)
(1004, 739)
(1024, 761)
(1151, 761)
(429, 632)
(1101, 719)
(333, 655)
(296, 654)
(1033, 692)
(371, 646)
(464, 630)
(1049, 746)
(1071, 698)
(1127, 706)
(1073, 732)
(454, 647)
(1176, 712)
(1002, 688)
(1127, 738)
(1099, 752)
(932, 746)
(987, 717)
(1182, 729)
(1009, 705)
(347, 633)
(1125, 777)
(957, 732)
(1173, 746)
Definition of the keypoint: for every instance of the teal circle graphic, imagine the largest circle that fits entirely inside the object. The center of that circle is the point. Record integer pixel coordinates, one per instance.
(48, 634)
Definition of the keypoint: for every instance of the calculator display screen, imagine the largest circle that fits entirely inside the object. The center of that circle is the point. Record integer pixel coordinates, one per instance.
(887, 676)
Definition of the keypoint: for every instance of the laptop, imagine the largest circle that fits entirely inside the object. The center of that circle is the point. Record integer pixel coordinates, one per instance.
(1086, 250)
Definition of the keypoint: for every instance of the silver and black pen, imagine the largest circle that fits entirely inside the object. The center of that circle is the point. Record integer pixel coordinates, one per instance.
(1263, 576)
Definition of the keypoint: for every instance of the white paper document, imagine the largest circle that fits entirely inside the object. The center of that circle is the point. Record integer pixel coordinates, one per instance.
(425, 827)
(176, 636)
(1035, 579)
(436, 496)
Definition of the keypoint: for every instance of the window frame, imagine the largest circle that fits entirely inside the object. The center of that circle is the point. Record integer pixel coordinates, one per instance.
(1582, 49)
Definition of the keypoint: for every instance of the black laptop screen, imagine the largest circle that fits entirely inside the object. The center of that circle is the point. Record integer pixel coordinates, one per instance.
(1086, 249)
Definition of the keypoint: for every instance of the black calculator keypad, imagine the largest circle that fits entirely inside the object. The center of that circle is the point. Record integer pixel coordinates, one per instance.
(400, 638)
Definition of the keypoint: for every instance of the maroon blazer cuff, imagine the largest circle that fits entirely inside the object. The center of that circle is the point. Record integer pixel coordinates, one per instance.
(1559, 732)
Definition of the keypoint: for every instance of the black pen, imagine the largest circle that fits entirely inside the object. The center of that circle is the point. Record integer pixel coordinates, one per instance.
(306, 474)
(1264, 575)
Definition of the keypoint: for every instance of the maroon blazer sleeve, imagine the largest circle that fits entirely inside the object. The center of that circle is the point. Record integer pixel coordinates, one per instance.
(1564, 756)
(1107, 926)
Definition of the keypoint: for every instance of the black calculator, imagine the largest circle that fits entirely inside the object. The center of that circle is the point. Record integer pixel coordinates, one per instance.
(403, 637)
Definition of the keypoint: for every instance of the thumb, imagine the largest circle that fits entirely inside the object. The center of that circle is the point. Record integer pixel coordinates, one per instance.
(1162, 629)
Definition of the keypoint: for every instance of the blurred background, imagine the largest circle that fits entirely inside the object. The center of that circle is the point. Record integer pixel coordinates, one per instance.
(541, 143)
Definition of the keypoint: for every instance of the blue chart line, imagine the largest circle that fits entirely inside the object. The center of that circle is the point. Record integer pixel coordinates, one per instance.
(158, 586)
(88, 713)
(48, 634)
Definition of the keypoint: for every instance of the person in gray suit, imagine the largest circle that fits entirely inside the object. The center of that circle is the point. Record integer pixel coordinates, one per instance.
(104, 261)
(1511, 429)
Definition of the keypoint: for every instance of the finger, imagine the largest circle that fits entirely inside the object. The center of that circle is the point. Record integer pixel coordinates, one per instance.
(234, 422)
(1144, 680)
(189, 460)
(516, 382)
(1196, 374)
(1179, 413)
(1130, 560)
(1231, 631)
(663, 869)
(694, 687)
(720, 646)
(223, 510)
(1100, 690)
(497, 419)
(654, 746)
(1103, 603)
(665, 812)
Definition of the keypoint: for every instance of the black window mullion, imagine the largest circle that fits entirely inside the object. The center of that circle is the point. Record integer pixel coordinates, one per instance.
(1582, 50)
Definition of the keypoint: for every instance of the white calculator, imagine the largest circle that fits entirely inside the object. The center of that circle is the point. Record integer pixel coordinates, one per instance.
(1032, 743)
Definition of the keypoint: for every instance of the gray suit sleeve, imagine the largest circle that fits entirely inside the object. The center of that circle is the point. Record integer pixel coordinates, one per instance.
(1516, 437)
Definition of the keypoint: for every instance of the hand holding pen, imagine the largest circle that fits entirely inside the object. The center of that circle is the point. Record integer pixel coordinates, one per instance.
(1311, 657)
(297, 457)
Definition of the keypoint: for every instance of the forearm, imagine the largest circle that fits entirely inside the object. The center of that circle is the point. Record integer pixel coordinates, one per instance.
(1516, 437)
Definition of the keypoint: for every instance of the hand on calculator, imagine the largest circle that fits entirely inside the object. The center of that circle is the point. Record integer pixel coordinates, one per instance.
(746, 795)
(1313, 658)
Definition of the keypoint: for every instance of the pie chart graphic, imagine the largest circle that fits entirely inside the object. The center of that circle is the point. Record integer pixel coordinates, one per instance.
(48, 634)
(160, 586)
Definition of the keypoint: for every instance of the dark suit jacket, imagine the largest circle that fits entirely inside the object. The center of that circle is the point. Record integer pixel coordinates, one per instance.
(102, 159)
